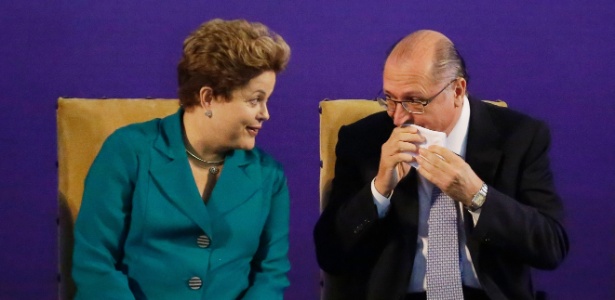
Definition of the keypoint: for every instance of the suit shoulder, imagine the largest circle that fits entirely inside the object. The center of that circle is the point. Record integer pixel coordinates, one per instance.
(375, 126)
(264, 159)
(140, 130)
(510, 119)
(364, 137)
(374, 120)
(135, 136)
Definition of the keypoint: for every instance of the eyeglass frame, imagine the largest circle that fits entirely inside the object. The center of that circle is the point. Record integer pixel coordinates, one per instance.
(423, 102)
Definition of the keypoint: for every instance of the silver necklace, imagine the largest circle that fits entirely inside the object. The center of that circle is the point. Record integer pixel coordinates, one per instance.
(213, 169)
(213, 165)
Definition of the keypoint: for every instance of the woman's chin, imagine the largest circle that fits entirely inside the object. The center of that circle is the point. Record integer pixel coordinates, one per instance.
(246, 146)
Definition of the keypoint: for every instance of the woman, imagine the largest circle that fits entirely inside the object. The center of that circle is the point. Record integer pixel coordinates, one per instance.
(185, 207)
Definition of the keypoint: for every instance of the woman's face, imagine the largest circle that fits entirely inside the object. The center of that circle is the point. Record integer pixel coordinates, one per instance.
(238, 121)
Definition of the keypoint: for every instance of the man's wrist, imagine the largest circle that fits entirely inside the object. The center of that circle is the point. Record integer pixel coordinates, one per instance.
(479, 198)
(380, 190)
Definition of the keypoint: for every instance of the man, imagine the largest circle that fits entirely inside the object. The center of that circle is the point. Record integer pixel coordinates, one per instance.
(378, 232)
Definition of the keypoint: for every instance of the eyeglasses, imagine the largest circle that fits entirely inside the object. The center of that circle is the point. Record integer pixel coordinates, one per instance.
(413, 106)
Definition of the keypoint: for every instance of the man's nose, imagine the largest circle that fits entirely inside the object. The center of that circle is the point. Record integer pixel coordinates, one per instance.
(400, 115)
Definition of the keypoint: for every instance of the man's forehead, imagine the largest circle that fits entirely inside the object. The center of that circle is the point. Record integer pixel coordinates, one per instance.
(408, 68)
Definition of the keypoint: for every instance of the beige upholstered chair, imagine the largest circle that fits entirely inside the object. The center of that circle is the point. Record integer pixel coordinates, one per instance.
(83, 125)
(333, 115)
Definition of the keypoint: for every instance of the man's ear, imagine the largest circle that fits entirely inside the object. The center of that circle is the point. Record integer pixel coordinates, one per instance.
(206, 95)
(459, 91)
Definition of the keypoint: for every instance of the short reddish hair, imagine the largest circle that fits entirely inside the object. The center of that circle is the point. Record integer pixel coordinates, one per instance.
(226, 55)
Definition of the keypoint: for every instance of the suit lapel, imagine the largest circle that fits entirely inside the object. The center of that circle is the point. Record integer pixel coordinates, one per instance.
(406, 204)
(483, 150)
(171, 172)
(239, 181)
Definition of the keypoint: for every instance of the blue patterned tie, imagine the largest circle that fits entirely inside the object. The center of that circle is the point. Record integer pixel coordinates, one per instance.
(443, 275)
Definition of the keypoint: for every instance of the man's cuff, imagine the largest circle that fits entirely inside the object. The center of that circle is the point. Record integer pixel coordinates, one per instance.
(475, 215)
(382, 203)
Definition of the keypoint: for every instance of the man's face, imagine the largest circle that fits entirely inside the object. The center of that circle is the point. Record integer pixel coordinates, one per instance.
(406, 79)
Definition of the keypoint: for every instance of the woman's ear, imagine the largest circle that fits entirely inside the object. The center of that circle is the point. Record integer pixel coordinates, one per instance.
(206, 95)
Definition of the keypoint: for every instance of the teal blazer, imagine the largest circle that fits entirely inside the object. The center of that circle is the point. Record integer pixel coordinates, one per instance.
(143, 231)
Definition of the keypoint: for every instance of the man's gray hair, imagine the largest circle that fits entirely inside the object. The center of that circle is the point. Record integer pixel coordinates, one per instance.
(448, 62)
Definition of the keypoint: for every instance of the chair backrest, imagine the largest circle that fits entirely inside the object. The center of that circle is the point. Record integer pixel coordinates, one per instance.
(83, 125)
(333, 115)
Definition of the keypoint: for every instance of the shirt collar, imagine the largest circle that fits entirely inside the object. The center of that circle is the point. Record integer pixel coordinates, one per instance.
(456, 141)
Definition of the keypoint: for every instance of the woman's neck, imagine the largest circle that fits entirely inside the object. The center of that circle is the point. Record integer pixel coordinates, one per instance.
(197, 141)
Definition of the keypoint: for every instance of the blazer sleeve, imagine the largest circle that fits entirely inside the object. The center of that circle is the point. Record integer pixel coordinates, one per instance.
(270, 263)
(530, 225)
(101, 226)
(349, 233)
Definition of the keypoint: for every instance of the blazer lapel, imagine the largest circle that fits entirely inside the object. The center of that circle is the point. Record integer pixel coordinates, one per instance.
(171, 172)
(239, 181)
(483, 152)
(406, 204)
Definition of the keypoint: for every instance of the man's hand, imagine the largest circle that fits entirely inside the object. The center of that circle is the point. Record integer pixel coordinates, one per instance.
(449, 172)
(396, 150)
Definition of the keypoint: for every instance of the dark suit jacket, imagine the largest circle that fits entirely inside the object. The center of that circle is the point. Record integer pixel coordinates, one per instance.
(520, 225)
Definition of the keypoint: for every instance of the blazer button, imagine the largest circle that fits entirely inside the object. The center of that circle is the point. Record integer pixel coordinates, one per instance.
(195, 283)
(203, 241)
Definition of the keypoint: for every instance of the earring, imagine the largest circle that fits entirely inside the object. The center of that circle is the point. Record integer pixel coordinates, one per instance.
(208, 113)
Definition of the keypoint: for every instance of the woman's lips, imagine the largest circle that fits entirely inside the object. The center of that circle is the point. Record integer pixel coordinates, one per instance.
(253, 130)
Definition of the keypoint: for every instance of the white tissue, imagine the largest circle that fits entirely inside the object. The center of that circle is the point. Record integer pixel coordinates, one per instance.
(431, 138)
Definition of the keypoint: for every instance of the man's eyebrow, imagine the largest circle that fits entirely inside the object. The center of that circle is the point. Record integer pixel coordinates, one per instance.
(406, 95)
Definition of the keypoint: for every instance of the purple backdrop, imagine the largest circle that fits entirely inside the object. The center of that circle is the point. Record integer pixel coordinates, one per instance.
(552, 60)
